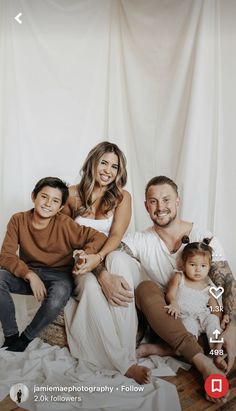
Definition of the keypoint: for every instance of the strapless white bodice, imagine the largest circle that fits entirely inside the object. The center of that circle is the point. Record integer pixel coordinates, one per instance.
(102, 225)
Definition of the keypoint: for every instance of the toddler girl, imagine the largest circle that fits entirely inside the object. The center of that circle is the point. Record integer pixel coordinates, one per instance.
(188, 292)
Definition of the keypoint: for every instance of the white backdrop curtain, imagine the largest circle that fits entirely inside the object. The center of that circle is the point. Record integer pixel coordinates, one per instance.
(154, 76)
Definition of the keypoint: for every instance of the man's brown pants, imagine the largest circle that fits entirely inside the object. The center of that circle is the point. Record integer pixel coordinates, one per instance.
(150, 300)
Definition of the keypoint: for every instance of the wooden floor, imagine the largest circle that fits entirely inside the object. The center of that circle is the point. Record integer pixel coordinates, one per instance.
(190, 389)
(8, 405)
(191, 392)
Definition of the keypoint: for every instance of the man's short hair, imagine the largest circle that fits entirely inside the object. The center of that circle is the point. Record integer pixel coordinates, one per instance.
(160, 180)
(53, 182)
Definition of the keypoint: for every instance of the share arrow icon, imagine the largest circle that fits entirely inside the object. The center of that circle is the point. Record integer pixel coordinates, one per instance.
(216, 333)
(17, 18)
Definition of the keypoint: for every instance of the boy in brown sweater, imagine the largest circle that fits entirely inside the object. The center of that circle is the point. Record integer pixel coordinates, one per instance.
(46, 240)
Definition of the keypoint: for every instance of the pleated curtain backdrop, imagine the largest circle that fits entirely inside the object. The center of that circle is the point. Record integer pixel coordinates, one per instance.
(154, 76)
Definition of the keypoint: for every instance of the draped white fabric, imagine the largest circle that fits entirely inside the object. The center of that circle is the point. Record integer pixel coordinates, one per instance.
(45, 366)
(154, 76)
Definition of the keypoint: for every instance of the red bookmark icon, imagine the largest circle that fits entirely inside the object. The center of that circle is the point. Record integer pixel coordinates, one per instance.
(216, 385)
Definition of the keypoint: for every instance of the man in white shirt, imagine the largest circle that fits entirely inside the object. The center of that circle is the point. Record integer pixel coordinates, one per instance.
(157, 249)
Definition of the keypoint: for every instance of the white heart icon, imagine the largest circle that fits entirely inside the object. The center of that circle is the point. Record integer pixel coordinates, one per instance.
(216, 291)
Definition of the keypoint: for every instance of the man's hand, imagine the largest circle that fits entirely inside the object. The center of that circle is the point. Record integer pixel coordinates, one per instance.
(116, 289)
(37, 286)
(224, 321)
(229, 345)
(173, 309)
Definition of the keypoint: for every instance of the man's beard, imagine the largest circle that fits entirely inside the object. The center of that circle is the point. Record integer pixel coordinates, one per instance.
(166, 223)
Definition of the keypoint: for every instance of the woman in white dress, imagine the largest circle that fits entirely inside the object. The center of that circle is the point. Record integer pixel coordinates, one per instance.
(101, 328)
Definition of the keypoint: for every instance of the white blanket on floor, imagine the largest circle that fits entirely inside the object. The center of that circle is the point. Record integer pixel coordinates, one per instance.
(45, 365)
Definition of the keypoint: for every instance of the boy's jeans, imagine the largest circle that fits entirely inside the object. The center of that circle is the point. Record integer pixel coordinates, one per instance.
(59, 287)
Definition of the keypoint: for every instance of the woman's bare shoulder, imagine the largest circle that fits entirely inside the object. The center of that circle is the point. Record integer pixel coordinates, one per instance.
(73, 202)
(126, 195)
(124, 206)
(73, 190)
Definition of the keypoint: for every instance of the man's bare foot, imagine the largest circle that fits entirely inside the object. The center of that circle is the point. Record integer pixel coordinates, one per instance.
(142, 375)
(206, 367)
(221, 363)
(144, 350)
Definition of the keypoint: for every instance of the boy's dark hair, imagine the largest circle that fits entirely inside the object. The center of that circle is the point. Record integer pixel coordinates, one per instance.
(160, 180)
(194, 248)
(53, 182)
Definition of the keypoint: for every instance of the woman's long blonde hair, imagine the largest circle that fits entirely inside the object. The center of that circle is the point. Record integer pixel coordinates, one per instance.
(113, 194)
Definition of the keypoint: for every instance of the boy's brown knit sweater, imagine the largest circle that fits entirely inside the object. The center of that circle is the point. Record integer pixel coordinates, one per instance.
(52, 246)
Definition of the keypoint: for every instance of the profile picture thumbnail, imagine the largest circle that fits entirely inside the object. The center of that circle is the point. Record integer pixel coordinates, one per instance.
(19, 393)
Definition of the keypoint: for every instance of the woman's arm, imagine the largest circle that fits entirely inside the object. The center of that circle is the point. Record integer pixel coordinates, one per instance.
(120, 223)
(70, 206)
(121, 219)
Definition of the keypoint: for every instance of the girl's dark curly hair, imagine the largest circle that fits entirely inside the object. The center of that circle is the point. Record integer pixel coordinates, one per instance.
(194, 248)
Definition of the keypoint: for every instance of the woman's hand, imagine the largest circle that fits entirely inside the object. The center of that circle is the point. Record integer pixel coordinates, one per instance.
(37, 286)
(116, 289)
(85, 262)
(173, 309)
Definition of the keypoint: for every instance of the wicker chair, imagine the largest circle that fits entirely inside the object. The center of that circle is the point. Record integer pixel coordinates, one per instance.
(55, 333)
